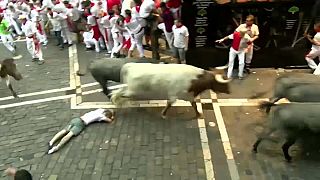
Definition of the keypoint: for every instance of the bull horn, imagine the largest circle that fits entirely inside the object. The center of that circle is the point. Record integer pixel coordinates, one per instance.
(219, 78)
(17, 57)
(222, 67)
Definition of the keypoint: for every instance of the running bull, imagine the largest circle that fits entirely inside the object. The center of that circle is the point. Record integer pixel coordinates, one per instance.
(296, 120)
(109, 70)
(8, 68)
(168, 82)
(295, 88)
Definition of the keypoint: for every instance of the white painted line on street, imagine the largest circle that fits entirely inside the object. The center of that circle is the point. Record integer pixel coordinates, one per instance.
(20, 40)
(36, 101)
(226, 143)
(37, 93)
(76, 69)
(205, 146)
(73, 100)
(89, 84)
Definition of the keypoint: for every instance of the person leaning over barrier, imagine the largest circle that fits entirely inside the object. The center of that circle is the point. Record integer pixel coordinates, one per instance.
(77, 125)
(240, 42)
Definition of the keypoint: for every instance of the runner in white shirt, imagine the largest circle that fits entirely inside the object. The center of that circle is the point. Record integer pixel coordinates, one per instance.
(33, 43)
(56, 26)
(117, 23)
(180, 41)
(12, 14)
(315, 50)
(77, 125)
(136, 31)
(105, 28)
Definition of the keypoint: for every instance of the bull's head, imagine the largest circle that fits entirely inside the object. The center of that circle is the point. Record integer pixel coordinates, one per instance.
(220, 83)
(8, 67)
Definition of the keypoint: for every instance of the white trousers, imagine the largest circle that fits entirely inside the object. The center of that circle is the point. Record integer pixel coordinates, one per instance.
(16, 27)
(168, 35)
(117, 43)
(136, 41)
(314, 53)
(34, 50)
(93, 42)
(232, 55)
(66, 35)
(107, 37)
(8, 42)
(249, 55)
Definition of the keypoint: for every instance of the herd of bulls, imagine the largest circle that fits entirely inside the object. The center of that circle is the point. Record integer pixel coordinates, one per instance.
(145, 80)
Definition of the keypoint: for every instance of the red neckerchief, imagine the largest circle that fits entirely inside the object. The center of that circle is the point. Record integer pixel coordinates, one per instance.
(179, 26)
(69, 6)
(138, 8)
(127, 19)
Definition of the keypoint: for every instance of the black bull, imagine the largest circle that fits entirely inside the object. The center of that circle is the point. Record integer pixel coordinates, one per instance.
(109, 70)
(9, 68)
(296, 120)
(296, 88)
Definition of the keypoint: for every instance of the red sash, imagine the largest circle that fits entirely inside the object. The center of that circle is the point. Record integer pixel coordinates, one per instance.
(96, 30)
(39, 27)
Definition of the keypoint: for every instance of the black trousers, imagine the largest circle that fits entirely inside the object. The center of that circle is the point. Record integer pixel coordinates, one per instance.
(59, 37)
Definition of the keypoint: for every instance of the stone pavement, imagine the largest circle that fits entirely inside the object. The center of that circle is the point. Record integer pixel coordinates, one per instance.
(139, 144)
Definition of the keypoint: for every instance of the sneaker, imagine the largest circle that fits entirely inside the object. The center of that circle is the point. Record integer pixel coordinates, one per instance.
(52, 150)
(35, 59)
(240, 78)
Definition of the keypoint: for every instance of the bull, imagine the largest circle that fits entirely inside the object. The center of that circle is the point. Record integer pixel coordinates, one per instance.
(104, 71)
(296, 88)
(168, 82)
(296, 120)
(9, 68)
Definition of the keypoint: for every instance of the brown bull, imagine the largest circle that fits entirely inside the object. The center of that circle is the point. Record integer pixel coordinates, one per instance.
(9, 68)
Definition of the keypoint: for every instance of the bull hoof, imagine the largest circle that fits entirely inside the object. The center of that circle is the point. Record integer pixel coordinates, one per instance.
(79, 74)
(288, 159)
(163, 116)
(199, 116)
(254, 150)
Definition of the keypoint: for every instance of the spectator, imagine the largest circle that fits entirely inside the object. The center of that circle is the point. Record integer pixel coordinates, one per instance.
(180, 41)
(253, 32)
(239, 47)
(168, 22)
(315, 49)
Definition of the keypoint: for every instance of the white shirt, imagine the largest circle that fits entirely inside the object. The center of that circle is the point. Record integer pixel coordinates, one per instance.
(133, 27)
(29, 28)
(136, 15)
(317, 39)
(47, 4)
(126, 4)
(105, 22)
(179, 35)
(251, 31)
(243, 43)
(55, 22)
(94, 116)
(146, 7)
(91, 20)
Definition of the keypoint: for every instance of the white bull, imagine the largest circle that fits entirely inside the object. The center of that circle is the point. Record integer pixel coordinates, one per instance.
(168, 82)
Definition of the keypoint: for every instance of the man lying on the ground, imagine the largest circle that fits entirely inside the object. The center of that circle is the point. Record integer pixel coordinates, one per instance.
(77, 125)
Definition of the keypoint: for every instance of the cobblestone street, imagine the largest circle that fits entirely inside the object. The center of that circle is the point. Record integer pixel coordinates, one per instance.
(139, 144)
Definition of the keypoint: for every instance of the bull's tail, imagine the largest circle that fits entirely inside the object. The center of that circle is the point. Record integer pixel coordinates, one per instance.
(119, 98)
(266, 105)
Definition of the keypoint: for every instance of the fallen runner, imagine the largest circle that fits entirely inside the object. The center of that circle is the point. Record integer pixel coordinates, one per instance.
(77, 125)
